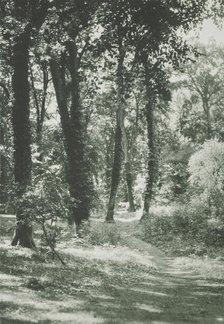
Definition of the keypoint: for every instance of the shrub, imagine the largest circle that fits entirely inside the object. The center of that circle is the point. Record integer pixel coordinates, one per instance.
(157, 228)
(214, 235)
(46, 201)
(190, 220)
(206, 168)
(104, 234)
(188, 229)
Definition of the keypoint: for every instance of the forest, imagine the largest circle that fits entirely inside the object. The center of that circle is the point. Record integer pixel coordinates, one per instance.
(111, 162)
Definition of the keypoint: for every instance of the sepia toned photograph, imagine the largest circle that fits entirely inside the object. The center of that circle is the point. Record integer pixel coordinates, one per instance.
(112, 161)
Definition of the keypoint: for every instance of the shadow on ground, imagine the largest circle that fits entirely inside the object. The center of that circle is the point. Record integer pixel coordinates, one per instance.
(96, 291)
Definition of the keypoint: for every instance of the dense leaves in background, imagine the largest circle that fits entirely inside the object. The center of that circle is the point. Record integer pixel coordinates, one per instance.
(96, 118)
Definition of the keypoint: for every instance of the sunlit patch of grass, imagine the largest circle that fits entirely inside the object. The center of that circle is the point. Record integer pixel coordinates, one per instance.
(206, 267)
(119, 254)
(82, 272)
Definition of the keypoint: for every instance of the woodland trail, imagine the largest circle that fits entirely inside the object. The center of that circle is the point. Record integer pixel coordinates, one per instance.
(106, 292)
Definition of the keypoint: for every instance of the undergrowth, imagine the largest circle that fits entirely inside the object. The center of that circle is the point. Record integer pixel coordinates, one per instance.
(186, 230)
(104, 234)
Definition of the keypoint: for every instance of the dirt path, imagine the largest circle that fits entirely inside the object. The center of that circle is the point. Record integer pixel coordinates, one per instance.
(102, 291)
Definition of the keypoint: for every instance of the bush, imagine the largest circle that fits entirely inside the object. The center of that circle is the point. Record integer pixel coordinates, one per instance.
(188, 229)
(46, 201)
(157, 229)
(215, 233)
(206, 168)
(190, 221)
(104, 234)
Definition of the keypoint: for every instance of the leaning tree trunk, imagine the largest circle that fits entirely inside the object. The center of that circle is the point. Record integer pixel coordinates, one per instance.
(22, 137)
(151, 168)
(71, 116)
(117, 161)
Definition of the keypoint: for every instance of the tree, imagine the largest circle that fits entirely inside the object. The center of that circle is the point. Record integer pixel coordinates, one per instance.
(201, 115)
(207, 175)
(158, 45)
(114, 40)
(26, 16)
(156, 86)
(4, 144)
(65, 71)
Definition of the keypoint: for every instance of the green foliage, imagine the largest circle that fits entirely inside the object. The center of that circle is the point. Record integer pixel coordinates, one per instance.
(104, 234)
(197, 225)
(172, 183)
(47, 200)
(206, 168)
(187, 229)
(201, 113)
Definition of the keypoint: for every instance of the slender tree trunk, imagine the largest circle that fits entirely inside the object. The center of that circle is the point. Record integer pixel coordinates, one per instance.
(128, 153)
(108, 162)
(22, 135)
(128, 169)
(116, 169)
(151, 168)
(117, 161)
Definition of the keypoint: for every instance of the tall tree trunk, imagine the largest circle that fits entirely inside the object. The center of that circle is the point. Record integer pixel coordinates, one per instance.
(109, 142)
(151, 168)
(73, 131)
(22, 133)
(116, 169)
(128, 169)
(81, 180)
(117, 161)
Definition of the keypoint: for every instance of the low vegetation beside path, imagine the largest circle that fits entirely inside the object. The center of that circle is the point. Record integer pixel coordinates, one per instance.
(128, 281)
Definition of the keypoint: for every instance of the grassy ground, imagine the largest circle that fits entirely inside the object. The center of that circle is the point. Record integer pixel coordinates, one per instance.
(130, 283)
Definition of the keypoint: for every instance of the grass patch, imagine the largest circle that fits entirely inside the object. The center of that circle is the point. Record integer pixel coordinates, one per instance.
(205, 267)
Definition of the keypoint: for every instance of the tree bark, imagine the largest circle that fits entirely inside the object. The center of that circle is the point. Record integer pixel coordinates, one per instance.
(116, 169)
(29, 14)
(117, 160)
(73, 131)
(81, 180)
(109, 143)
(128, 169)
(151, 167)
(22, 133)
